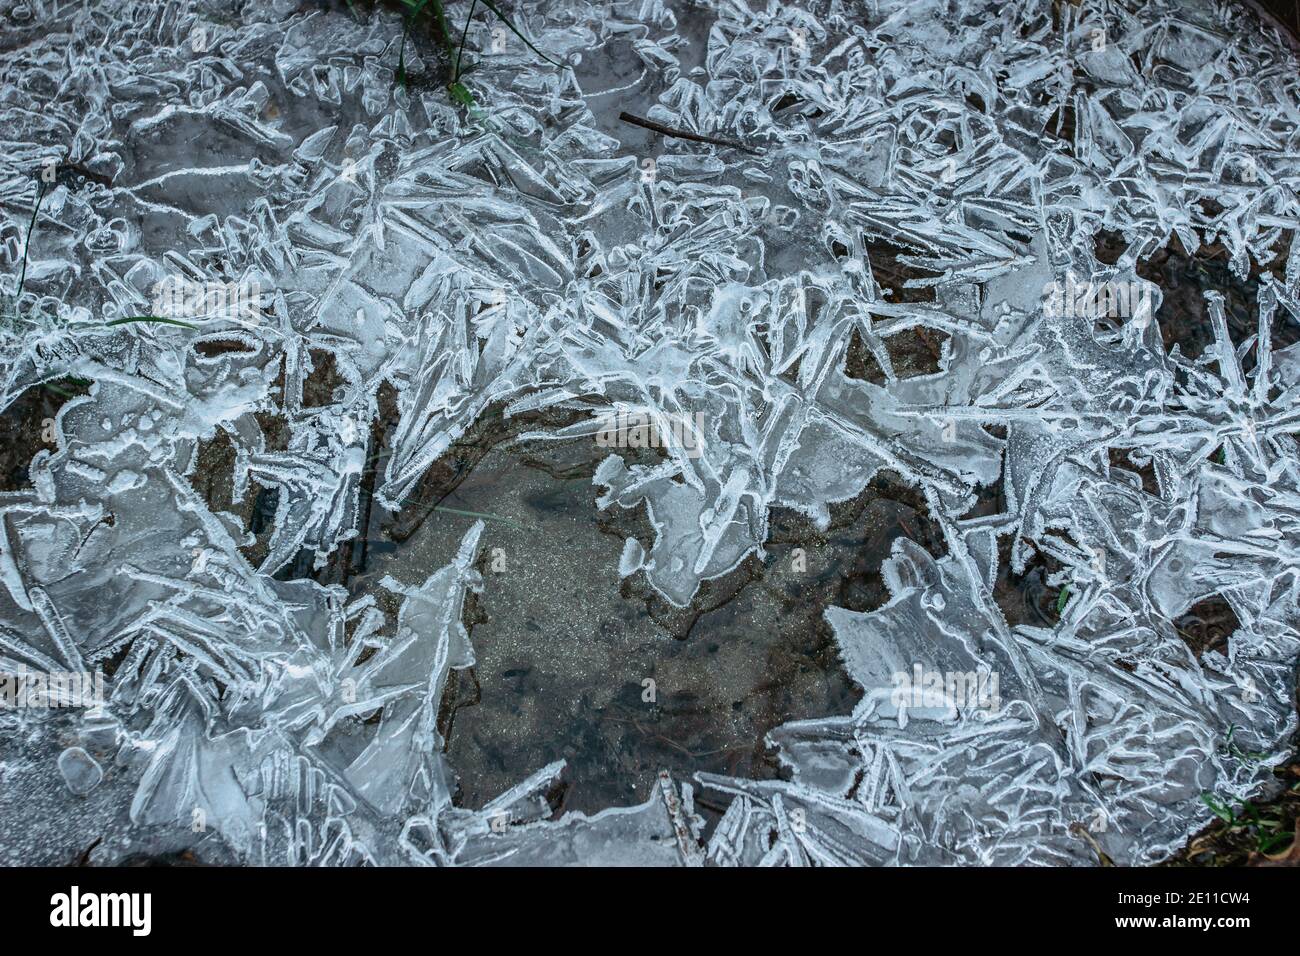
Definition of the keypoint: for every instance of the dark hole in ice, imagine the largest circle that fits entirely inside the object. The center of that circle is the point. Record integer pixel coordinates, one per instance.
(275, 430)
(996, 430)
(916, 351)
(212, 348)
(358, 550)
(320, 385)
(786, 101)
(1060, 125)
(214, 470)
(1119, 458)
(892, 274)
(1183, 317)
(74, 176)
(212, 477)
(1108, 246)
(1026, 598)
(264, 505)
(1207, 625)
(989, 501)
(844, 561)
(1210, 208)
(27, 426)
(860, 364)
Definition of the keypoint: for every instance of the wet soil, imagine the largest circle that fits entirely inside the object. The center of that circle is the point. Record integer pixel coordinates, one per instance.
(1182, 316)
(27, 426)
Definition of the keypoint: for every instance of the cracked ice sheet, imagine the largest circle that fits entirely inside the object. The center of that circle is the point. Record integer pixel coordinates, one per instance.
(544, 255)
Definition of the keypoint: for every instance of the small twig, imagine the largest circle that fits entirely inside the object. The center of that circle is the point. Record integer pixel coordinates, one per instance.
(1081, 831)
(22, 277)
(111, 522)
(685, 134)
(480, 514)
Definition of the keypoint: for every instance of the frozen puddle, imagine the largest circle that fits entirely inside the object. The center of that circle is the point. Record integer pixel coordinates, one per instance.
(867, 416)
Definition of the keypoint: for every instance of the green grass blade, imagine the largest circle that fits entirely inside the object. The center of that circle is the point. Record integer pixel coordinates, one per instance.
(455, 74)
(1220, 810)
(152, 318)
(529, 43)
(400, 76)
(1062, 600)
(1270, 843)
(443, 28)
(461, 94)
(415, 8)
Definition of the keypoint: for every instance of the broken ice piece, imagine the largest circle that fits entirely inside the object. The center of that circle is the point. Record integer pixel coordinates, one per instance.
(80, 771)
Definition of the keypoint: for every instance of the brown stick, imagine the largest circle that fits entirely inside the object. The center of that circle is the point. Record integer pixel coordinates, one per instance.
(684, 134)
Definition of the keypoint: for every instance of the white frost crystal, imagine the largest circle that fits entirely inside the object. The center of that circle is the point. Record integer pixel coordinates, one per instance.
(540, 253)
